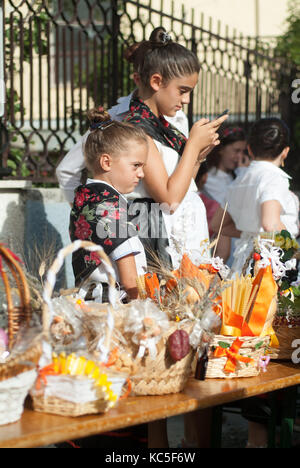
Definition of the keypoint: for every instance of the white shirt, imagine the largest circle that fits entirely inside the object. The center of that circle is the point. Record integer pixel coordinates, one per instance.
(263, 181)
(217, 184)
(69, 170)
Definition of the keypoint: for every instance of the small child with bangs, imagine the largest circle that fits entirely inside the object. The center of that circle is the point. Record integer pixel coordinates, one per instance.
(115, 155)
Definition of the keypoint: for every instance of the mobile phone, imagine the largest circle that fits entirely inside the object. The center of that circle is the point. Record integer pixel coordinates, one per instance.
(226, 111)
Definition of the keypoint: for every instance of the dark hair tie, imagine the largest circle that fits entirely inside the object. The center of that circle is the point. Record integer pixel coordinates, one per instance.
(165, 38)
(101, 125)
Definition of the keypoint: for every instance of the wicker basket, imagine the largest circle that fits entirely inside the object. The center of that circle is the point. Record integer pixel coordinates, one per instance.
(286, 335)
(162, 375)
(79, 400)
(253, 347)
(150, 377)
(18, 372)
(53, 403)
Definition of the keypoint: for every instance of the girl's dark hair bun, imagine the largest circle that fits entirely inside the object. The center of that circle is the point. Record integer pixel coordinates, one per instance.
(159, 36)
(268, 138)
(98, 115)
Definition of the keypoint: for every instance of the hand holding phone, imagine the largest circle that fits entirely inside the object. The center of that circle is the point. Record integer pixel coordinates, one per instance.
(226, 111)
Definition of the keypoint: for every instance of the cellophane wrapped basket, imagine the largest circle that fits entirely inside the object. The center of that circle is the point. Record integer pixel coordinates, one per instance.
(161, 375)
(179, 295)
(18, 366)
(74, 383)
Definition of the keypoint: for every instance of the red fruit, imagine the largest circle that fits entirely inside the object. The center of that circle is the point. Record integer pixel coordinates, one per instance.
(256, 256)
(178, 345)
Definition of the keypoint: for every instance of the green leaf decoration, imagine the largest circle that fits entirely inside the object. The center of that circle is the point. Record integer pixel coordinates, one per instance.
(223, 345)
(285, 234)
(259, 345)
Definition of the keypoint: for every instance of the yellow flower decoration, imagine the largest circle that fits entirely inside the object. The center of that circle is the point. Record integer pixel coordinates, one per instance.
(288, 243)
(279, 241)
(295, 244)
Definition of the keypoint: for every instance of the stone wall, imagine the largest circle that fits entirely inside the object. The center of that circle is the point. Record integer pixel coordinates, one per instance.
(34, 224)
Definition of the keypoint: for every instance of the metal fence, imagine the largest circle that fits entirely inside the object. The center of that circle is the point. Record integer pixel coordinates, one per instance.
(64, 56)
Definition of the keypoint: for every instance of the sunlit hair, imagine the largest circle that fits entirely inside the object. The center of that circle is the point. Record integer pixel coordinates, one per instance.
(161, 55)
(108, 136)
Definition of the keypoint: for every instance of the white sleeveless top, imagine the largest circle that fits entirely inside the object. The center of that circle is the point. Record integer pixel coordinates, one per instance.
(187, 227)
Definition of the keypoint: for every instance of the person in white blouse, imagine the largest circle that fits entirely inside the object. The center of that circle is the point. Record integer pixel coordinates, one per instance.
(69, 170)
(260, 199)
(224, 162)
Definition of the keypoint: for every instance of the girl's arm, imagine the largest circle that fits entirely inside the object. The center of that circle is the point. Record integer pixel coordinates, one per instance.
(270, 216)
(128, 275)
(229, 229)
(201, 158)
(172, 189)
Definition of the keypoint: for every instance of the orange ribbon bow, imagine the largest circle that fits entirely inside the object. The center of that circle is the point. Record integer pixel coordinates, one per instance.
(232, 355)
(47, 370)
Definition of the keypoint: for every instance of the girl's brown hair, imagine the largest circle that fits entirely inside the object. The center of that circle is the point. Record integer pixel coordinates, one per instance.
(228, 136)
(161, 55)
(108, 136)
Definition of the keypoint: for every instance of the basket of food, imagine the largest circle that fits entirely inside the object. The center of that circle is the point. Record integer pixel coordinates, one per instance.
(72, 381)
(151, 340)
(20, 347)
(282, 250)
(286, 324)
(248, 308)
(186, 298)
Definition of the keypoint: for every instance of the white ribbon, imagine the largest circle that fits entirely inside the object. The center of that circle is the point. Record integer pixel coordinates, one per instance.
(150, 344)
(271, 255)
(113, 294)
(101, 346)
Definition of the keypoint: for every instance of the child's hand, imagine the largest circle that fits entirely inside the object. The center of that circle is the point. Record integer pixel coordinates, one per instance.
(204, 133)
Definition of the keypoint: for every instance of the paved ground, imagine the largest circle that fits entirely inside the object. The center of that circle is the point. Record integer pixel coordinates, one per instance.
(234, 434)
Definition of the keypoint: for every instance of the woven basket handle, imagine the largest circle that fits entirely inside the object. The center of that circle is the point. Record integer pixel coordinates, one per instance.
(56, 266)
(16, 315)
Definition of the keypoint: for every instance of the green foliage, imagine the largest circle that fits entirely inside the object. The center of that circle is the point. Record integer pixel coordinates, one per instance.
(289, 44)
(34, 37)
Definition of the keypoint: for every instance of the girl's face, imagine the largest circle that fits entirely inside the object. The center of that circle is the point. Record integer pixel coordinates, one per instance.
(128, 168)
(171, 97)
(231, 155)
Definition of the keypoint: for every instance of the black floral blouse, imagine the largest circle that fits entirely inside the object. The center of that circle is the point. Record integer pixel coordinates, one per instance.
(100, 215)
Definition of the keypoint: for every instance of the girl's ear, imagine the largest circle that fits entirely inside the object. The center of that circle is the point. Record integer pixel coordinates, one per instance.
(105, 161)
(250, 152)
(285, 153)
(156, 81)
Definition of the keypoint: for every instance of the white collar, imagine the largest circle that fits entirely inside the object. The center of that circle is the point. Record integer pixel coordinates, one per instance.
(270, 167)
(220, 174)
(98, 181)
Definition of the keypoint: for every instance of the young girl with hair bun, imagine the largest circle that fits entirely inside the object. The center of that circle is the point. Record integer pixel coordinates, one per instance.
(70, 169)
(115, 154)
(260, 199)
(168, 73)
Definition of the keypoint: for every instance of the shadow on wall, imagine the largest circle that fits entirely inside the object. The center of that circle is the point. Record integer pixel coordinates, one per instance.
(42, 240)
(28, 233)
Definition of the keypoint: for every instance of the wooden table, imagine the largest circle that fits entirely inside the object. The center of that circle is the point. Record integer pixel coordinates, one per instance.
(38, 429)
